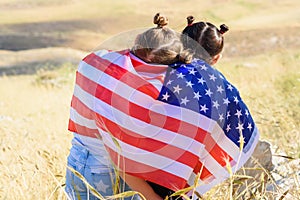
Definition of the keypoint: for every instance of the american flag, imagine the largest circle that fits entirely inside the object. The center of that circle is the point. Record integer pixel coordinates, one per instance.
(165, 124)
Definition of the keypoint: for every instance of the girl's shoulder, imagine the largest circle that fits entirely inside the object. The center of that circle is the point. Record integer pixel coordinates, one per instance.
(202, 72)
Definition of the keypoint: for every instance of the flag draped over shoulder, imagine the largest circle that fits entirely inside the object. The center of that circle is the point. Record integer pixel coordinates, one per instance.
(163, 124)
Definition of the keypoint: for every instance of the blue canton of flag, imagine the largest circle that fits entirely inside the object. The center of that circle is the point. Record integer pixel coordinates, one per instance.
(203, 89)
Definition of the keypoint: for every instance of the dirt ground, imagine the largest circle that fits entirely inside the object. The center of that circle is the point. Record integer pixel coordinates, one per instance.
(253, 42)
(66, 34)
(24, 48)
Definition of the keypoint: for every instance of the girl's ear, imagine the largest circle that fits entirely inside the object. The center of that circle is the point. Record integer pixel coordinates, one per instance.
(216, 58)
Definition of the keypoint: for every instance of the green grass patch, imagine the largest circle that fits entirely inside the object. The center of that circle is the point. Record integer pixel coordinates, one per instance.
(55, 76)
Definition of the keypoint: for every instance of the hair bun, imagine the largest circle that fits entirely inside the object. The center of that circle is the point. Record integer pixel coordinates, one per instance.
(190, 19)
(160, 20)
(223, 29)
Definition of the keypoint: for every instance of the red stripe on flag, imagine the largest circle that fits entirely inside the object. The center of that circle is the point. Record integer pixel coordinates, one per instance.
(149, 173)
(83, 130)
(140, 66)
(149, 144)
(215, 150)
(122, 74)
(160, 78)
(218, 153)
(204, 172)
(81, 108)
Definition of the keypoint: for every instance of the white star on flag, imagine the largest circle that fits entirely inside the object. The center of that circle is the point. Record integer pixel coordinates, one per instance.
(228, 128)
(212, 77)
(216, 104)
(229, 87)
(226, 101)
(203, 108)
(189, 84)
(228, 114)
(238, 113)
(208, 92)
(184, 100)
(240, 127)
(180, 75)
(220, 89)
(169, 82)
(249, 126)
(197, 95)
(166, 96)
(201, 80)
(177, 89)
(236, 100)
(221, 117)
(247, 113)
(192, 71)
(203, 67)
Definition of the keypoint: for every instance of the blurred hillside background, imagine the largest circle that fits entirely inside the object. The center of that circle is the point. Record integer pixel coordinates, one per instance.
(255, 27)
(41, 42)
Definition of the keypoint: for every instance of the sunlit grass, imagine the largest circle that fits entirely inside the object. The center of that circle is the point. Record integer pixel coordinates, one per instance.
(34, 138)
(270, 87)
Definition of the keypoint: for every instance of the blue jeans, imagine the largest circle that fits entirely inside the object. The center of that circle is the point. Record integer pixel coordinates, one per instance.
(101, 177)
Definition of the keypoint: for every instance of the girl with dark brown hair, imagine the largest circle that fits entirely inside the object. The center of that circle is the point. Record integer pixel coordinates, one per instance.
(212, 116)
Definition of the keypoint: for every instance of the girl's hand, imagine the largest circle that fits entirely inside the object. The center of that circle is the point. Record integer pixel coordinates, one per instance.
(140, 185)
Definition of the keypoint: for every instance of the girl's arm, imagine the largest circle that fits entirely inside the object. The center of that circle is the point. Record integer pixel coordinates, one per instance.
(140, 185)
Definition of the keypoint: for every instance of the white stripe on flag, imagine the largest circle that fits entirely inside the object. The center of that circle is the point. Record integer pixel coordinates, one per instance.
(111, 113)
(153, 160)
(82, 121)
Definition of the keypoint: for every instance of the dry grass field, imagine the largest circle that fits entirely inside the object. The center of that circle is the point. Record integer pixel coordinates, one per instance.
(41, 42)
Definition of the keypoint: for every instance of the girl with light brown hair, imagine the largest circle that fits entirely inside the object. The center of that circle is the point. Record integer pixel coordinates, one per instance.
(103, 80)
